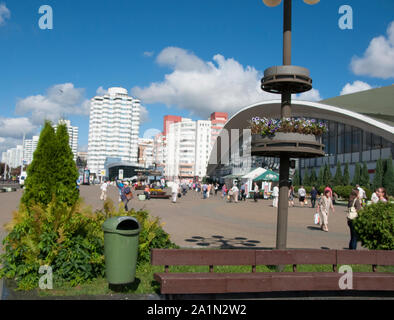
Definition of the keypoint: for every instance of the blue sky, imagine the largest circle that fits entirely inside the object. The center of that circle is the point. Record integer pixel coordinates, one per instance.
(179, 57)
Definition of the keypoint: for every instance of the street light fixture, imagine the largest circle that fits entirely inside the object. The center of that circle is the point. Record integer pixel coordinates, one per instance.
(286, 80)
(274, 3)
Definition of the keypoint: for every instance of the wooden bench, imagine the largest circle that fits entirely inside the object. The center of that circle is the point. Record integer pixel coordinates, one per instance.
(160, 196)
(254, 282)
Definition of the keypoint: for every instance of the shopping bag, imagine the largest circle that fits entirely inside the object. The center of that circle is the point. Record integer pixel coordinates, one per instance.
(317, 218)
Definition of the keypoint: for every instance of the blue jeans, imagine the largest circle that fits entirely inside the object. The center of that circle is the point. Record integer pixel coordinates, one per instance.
(353, 235)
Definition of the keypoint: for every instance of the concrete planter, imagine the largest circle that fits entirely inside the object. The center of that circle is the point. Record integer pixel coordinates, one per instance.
(296, 145)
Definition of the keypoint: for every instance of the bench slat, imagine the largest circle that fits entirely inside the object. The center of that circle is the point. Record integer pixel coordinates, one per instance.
(356, 257)
(201, 257)
(201, 283)
(307, 256)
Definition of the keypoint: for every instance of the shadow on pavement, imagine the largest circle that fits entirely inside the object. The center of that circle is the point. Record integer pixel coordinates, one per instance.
(222, 242)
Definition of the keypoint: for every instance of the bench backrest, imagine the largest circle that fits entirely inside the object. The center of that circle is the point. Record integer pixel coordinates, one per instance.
(240, 257)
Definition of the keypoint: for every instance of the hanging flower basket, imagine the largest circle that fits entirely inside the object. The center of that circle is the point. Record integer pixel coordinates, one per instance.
(299, 138)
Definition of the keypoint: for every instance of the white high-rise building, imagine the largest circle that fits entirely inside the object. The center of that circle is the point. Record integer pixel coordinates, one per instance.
(203, 146)
(113, 128)
(28, 149)
(159, 150)
(145, 152)
(73, 136)
(13, 156)
(181, 148)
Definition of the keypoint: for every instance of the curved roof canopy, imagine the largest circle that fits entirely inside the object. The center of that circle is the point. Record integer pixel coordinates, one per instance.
(307, 109)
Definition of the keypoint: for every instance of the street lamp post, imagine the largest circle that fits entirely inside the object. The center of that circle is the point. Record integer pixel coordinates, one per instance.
(285, 80)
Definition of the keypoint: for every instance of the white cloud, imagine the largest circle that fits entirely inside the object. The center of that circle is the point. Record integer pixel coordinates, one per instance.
(12, 129)
(101, 91)
(9, 143)
(203, 86)
(150, 133)
(356, 86)
(144, 114)
(5, 13)
(60, 100)
(15, 127)
(378, 59)
(149, 53)
(311, 95)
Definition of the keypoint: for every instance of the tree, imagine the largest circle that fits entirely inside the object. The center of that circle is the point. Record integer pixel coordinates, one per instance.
(306, 179)
(338, 177)
(377, 181)
(40, 181)
(313, 177)
(327, 176)
(296, 178)
(346, 175)
(52, 172)
(357, 174)
(66, 170)
(364, 178)
(320, 178)
(388, 178)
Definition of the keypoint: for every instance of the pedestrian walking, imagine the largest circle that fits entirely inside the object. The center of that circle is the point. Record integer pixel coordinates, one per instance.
(174, 191)
(301, 195)
(275, 196)
(126, 195)
(354, 202)
(216, 188)
(256, 192)
(244, 191)
(224, 190)
(383, 195)
(325, 204)
(147, 192)
(313, 196)
(361, 195)
(375, 196)
(209, 186)
(119, 185)
(103, 188)
(291, 196)
(235, 192)
(329, 189)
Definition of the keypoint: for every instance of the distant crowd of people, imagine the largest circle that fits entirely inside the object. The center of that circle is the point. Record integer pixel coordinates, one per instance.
(324, 203)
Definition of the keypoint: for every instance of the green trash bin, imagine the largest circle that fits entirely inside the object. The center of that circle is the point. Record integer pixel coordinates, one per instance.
(121, 249)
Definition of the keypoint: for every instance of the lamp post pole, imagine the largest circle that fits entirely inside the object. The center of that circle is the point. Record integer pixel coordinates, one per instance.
(283, 205)
(286, 80)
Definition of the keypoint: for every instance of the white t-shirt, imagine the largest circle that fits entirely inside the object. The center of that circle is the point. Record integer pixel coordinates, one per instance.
(361, 193)
(235, 189)
(174, 188)
(256, 188)
(104, 186)
(374, 198)
(275, 192)
(301, 192)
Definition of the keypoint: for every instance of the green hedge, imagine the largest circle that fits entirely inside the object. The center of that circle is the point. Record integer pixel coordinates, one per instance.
(375, 226)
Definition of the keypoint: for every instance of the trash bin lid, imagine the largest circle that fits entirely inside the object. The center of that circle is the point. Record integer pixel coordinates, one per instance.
(122, 225)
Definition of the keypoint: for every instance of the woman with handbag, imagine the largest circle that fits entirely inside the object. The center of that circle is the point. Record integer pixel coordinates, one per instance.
(354, 206)
(324, 206)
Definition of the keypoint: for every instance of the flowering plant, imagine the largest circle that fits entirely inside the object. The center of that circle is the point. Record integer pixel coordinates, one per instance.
(268, 127)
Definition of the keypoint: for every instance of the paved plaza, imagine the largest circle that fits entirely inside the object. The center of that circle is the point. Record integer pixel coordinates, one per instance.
(215, 223)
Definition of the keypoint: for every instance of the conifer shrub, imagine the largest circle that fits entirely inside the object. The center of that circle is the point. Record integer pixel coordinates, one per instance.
(70, 240)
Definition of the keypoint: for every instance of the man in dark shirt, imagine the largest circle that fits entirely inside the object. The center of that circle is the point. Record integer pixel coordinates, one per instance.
(313, 196)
